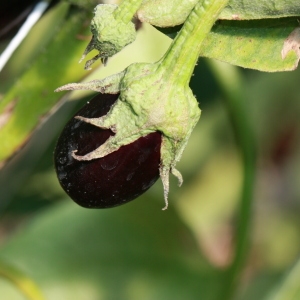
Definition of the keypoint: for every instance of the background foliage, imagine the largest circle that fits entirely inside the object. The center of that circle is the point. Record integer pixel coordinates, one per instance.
(136, 251)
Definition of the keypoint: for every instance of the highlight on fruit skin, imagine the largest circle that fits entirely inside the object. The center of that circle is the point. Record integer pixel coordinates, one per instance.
(114, 179)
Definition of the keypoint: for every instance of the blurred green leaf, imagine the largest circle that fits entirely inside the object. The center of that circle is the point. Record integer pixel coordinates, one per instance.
(23, 283)
(32, 96)
(289, 289)
(86, 4)
(35, 42)
(130, 252)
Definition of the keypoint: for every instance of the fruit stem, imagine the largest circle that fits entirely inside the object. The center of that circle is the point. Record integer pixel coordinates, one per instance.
(126, 10)
(179, 61)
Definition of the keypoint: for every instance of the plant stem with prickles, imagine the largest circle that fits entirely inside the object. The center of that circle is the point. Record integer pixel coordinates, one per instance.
(181, 58)
(177, 66)
(126, 10)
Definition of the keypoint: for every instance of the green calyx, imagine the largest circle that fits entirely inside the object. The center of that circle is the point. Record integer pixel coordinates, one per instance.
(157, 12)
(110, 34)
(156, 97)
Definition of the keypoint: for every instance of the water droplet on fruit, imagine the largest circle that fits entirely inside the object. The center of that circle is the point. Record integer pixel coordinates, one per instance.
(62, 160)
(129, 176)
(76, 125)
(152, 182)
(62, 175)
(78, 172)
(145, 186)
(141, 158)
(109, 164)
(89, 187)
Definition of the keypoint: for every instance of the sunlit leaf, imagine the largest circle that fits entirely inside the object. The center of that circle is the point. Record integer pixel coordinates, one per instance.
(260, 9)
(252, 44)
(32, 95)
(35, 42)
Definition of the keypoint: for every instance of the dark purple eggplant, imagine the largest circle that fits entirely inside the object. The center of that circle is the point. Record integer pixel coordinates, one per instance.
(114, 179)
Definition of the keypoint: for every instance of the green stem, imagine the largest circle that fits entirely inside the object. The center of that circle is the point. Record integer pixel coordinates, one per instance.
(231, 83)
(179, 61)
(23, 283)
(126, 10)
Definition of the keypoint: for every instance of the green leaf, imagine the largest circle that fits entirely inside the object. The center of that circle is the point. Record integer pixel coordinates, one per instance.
(253, 44)
(267, 45)
(35, 42)
(32, 95)
(130, 252)
(260, 9)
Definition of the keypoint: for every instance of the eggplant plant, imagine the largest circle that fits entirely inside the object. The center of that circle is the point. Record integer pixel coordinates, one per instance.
(137, 126)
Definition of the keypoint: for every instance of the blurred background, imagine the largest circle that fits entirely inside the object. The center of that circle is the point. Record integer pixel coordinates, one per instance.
(137, 251)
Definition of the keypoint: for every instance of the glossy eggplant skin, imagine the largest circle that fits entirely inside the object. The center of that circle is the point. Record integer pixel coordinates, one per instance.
(114, 179)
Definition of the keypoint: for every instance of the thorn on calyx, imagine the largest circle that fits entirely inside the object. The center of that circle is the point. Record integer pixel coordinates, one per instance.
(82, 58)
(88, 49)
(166, 206)
(166, 192)
(104, 61)
(91, 61)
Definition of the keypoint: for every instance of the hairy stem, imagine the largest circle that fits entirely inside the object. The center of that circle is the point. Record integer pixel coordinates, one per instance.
(181, 58)
(126, 10)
